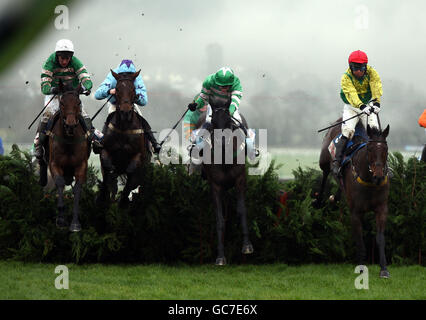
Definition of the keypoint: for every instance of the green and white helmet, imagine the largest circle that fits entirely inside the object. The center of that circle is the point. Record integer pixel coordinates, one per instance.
(224, 77)
(64, 45)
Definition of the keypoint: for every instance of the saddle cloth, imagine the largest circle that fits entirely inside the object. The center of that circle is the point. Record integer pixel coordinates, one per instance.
(352, 146)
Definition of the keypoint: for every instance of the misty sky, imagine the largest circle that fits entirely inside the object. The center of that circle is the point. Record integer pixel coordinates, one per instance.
(276, 47)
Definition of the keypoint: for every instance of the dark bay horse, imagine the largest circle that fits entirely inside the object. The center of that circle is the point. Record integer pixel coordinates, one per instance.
(125, 150)
(365, 183)
(68, 153)
(226, 174)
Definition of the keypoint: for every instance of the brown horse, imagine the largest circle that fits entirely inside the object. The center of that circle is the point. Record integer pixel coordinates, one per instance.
(366, 185)
(68, 153)
(226, 174)
(125, 149)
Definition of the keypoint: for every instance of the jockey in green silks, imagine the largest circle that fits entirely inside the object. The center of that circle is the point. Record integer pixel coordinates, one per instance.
(222, 85)
(61, 65)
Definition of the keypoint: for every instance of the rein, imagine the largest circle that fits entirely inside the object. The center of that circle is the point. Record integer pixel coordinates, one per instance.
(68, 139)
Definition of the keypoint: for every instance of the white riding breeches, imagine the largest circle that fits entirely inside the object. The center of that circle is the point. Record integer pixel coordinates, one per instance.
(53, 107)
(112, 108)
(348, 128)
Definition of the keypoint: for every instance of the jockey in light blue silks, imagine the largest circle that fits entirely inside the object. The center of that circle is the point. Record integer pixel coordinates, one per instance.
(107, 88)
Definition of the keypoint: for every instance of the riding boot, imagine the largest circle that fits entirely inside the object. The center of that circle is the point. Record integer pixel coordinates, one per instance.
(148, 132)
(155, 145)
(95, 136)
(40, 140)
(337, 162)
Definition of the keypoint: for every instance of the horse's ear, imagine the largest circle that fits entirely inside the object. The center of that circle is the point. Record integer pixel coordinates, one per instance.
(135, 75)
(385, 132)
(114, 74)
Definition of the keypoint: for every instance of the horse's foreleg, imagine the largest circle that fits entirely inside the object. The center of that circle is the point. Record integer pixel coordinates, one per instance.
(357, 236)
(220, 223)
(107, 178)
(381, 215)
(60, 186)
(242, 212)
(133, 179)
(80, 176)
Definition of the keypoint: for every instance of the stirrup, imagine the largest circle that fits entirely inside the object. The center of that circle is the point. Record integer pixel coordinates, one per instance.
(336, 168)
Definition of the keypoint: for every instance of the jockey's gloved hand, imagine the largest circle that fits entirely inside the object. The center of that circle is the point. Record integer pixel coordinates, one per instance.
(376, 107)
(87, 92)
(192, 106)
(366, 109)
(54, 90)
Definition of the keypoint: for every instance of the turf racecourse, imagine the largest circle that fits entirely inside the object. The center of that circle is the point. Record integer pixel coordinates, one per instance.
(208, 282)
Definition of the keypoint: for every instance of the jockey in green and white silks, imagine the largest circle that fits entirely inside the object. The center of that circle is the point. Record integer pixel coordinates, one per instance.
(222, 85)
(60, 65)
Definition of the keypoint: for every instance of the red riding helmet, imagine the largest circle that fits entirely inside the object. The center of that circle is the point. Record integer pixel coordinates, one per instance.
(358, 57)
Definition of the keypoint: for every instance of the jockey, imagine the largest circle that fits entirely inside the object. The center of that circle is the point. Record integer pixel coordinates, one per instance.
(361, 91)
(422, 123)
(222, 85)
(422, 119)
(107, 88)
(61, 65)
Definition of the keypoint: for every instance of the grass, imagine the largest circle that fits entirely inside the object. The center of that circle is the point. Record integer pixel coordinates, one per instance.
(238, 282)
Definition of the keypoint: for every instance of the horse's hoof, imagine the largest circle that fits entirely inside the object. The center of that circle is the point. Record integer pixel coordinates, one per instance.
(221, 261)
(60, 222)
(75, 227)
(247, 249)
(384, 274)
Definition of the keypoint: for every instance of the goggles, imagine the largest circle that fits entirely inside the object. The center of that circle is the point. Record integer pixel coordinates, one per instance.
(358, 66)
(64, 54)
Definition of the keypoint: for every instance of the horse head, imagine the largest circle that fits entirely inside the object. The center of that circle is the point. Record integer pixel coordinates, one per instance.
(377, 153)
(125, 93)
(70, 107)
(221, 118)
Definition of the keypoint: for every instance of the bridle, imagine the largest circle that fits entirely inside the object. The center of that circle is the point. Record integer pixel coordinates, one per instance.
(69, 129)
(117, 94)
(358, 178)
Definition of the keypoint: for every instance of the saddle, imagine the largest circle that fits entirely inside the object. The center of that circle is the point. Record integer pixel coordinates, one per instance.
(357, 142)
(51, 123)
